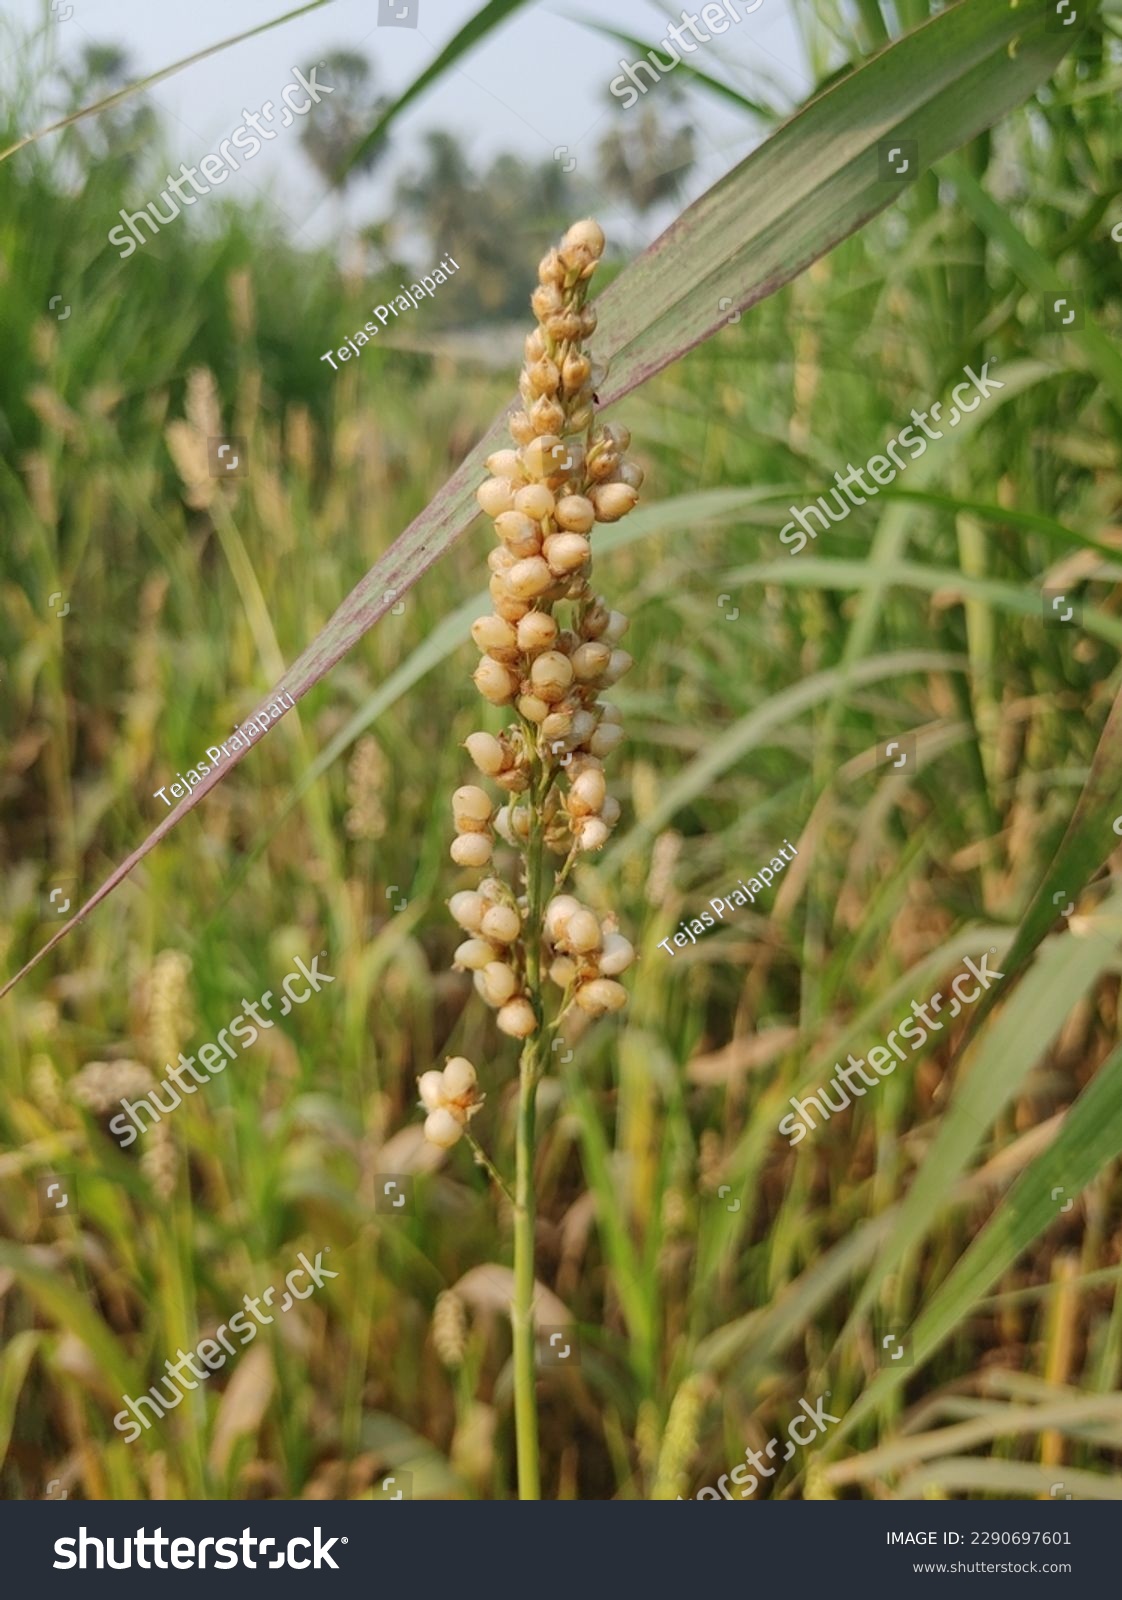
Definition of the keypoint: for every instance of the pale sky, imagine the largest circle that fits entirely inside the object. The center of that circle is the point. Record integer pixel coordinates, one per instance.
(537, 82)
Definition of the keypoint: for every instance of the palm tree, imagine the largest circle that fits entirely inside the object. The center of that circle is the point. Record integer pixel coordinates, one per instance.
(338, 123)
(124, 132)
(643, 162)
(498, 220)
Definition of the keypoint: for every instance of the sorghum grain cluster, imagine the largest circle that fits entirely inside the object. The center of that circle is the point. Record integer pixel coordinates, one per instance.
(566, 474)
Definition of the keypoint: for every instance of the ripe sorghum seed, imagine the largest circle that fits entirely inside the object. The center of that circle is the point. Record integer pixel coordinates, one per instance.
(586, 235)
(471, 850)
(616, 956)
(534, 500)
(504, 464)
(546, 301)
(575, 372)
(551, 674)
(544, 376)
(467, 909)
(528, 579)
(459, 1077)
(557, 914)
(442, 1128)
(517, 1018)
(502, 924)
(566, 553)
(606, 739)
(536, 631)
(609, 811)
(520, 534)
(618, 625)
(500, 560)
(533, 707)
(474, 954)
(563, 326)
(583, 762)
(495, 496)
(486, 751)
(602, 466)
(563, 969)
(584, 726)
(496, 983)
(507, 607)
(600, 995)
(471, 805)
(587, 322)
(612, 500)
(547, 416)
(557, 726)
(493, 682)
(538, 457)
(582, 931)
(620, 663)
(492, 634)
(430, 1087)
(592, 833)
(590, 660)
(550, 268)
(587, 793)
(631, 473)
(575, 513)
(596, 619)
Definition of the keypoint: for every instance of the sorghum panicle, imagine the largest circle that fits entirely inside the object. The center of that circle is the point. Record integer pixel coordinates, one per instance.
(565, 474)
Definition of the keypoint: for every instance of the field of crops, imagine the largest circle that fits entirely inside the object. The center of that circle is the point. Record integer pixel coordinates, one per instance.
(894, 702)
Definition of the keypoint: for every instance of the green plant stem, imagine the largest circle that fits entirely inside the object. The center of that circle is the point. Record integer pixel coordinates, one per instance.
(522, 1311)
(530, 1069)
(488, 1165)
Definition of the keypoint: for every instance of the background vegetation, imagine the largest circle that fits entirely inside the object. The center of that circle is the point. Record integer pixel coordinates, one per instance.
(716, 1275)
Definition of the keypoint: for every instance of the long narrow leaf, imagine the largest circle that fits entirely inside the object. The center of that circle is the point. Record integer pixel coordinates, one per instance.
(1091, 1137)
(473, 30)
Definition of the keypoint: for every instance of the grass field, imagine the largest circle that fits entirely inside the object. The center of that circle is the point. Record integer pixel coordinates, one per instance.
(716, 1275)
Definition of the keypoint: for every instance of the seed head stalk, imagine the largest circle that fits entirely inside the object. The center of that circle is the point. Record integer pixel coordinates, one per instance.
(544, 498)
(530, 1068)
